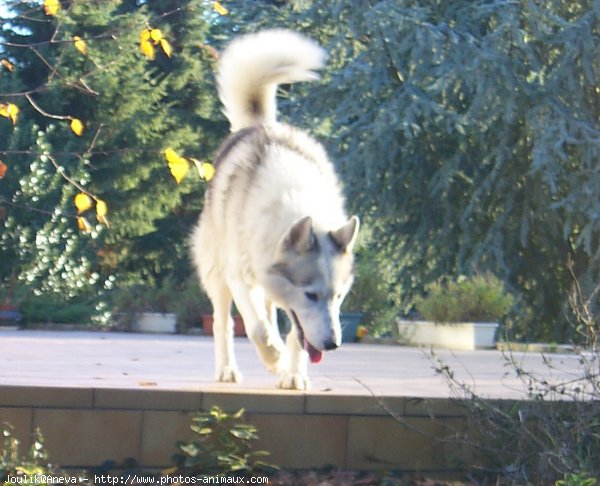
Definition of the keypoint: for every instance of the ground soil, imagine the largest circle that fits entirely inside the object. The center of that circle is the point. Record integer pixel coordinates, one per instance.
(353, 478)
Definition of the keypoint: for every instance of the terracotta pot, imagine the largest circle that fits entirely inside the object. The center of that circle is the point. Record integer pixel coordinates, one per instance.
(238, 325)
(9, 315)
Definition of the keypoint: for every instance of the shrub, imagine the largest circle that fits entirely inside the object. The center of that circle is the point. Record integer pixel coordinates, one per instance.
(49, 308)
(553, 435)
(29, 469)
(374, 291)
(144, 298)
(191, 302)
(223, 447)
(476, 299)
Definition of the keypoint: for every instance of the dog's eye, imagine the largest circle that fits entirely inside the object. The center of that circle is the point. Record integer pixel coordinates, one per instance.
(312, 296)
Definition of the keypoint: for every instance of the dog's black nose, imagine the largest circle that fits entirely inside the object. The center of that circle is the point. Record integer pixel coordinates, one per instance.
(330, 345)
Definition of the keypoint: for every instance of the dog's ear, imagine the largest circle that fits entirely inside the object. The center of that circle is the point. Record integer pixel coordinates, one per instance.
(300, 237)
(343, 238)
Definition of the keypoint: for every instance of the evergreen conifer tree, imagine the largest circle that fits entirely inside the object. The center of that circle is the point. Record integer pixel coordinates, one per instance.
(468, 132)
(132, 109)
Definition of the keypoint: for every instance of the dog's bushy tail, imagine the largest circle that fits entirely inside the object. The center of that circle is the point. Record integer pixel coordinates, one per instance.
(253, 65)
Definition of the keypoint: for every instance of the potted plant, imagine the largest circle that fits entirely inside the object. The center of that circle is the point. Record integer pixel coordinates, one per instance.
(190, 305)
(370, 302)
(193, 309)
(461, 314)
(9, 314)
(146, 309)
(10, 298)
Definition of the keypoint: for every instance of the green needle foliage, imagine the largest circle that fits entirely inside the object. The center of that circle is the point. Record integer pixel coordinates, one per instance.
(467, 134)
(468, 131)
(132, 108)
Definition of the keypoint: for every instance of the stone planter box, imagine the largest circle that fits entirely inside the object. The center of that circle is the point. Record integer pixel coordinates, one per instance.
(154, 322)
(460, 336)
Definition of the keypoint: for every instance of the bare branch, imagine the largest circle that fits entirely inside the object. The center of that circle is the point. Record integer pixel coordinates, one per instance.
(43, 112)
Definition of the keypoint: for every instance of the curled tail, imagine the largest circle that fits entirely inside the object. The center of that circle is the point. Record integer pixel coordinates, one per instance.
(253, 65)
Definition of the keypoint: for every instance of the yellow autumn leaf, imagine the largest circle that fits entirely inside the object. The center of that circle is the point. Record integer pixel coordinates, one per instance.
(145, 35)
(166, 47)
(83, 202)
(171, 155)
(101, 207)
(101, 211)
(147, 383)
(156, 35)
(83, 224)
(77, 126)
(220, 9)
(206, 170)
(13, 112)
(10, 111)
(147, 49)
(80, 44)
(7, 65)
(51, 7)
(179, 169)
(179, 166)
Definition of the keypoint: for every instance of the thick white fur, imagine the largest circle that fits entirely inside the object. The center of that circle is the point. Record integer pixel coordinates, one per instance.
(253, 66)
(269, 179)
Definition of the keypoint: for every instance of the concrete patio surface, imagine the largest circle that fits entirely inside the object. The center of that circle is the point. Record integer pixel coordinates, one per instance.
(107, 395)
(185, 363)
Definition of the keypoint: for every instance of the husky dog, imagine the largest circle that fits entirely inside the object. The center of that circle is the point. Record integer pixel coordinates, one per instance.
(273, 232)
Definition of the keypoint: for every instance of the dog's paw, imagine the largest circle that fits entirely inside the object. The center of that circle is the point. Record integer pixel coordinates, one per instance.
(229, 374)
(279, 362)
(272, 351)
(293, 381)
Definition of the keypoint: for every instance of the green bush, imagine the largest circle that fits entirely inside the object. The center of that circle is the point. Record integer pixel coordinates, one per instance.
(575, 479)
(374, 292)
(190, 303)
(51, 309)
(481, 298)
(185, 299)
(144, 298)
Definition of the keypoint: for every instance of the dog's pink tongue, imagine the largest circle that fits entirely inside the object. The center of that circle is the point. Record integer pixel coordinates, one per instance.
(313, 353)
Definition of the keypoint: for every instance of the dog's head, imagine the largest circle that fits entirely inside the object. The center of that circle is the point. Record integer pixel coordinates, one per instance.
(311, 275)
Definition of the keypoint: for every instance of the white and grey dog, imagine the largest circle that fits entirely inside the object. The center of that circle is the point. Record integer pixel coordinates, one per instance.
(273, 232)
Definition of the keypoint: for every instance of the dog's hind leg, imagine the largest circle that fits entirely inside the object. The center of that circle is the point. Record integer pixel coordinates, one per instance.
(257, 313)
(226, 369)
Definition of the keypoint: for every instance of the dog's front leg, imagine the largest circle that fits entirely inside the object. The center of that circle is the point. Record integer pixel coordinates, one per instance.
(263, 333)
(296, 377)
(226, 369)
(226, 365)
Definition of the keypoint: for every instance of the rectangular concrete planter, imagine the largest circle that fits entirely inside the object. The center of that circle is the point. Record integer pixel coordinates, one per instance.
(154, 322)
(460, 336)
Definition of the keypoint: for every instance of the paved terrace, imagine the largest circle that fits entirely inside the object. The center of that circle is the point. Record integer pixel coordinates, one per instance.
(99, 396)
(185, 363)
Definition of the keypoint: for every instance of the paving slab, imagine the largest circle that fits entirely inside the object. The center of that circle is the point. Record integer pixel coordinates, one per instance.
(84, 359)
